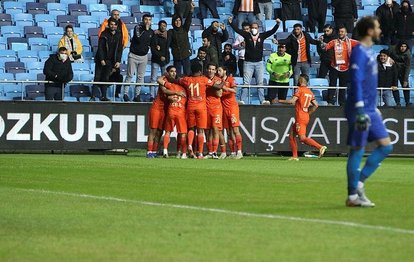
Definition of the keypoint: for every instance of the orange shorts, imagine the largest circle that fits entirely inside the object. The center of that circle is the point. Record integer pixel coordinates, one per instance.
(178, 120)
(156, 119)
(299, 128)
(231, 117)
(215, 118)
(197, 118)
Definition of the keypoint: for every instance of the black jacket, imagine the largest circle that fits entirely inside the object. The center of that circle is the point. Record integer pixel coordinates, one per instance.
(345, 9)
(57, 71)
(404, 23)
(159, 40)
(216, 38)
(292, 46)
(203, 64)
(326, 55)
(387, 76)
(109, 47)
(237, 4)
(231, 64)
(402, 60)
(178, 38)
(141, 41)
(386, 17)
(254, 53)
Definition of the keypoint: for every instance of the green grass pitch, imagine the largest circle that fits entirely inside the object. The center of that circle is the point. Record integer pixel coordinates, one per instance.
(125, 208)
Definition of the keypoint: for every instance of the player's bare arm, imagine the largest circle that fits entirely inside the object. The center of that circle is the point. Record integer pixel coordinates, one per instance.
(291, 101)
(162, 84)
(313, 107)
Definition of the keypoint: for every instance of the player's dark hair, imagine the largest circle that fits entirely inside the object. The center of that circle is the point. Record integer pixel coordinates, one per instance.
(341, 26)
(196, 68)
(208, 38)
(145, 16)
(211, 64)
(202, 48)
(297, 25)
(385, 52)
(112, 20)
(62, 48)
(225, 45)
(327, 26)
(364, 24)
(68, 26)
(162, 22)
(245, 24)
(169, 68)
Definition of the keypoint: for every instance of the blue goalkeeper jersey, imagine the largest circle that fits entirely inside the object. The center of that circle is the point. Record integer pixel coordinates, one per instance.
(364, 80)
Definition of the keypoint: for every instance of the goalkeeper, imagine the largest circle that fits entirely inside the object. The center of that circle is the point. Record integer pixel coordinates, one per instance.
(364, 119)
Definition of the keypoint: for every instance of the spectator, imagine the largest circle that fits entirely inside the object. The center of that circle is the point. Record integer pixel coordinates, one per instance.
(387, 77)
(201, 59)
(246, 11)
(345, 13)
(253, 64)
(386, 14)
(279, 66)
(73, 45)
(210, 5)
(217, 37)
(58, 70)
(404, 23)
(342, 47)
(168, 7)
(178, 41)
(317, 14)
(212, 54)
(239, 45)
(402, 56)
(121, 27)
(325, 56)
(229, 60)
(138, 55)
(266, 9)
(291, 10)
(182, 7)
(298, 46)
(160, 54)
(107, 58)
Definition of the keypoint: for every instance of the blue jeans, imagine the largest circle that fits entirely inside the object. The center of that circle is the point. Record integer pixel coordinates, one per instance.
(248, 17)
(266, 11)
(250, 69)
(387, 97)
(300, 68)
(156, 71)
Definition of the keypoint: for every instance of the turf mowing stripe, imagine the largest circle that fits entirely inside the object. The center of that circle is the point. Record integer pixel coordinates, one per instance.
(229, 212)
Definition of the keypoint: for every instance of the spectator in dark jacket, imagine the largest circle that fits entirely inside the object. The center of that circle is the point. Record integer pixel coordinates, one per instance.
(387, 77)
(386, 14)
(160, 54)
(291, 10)
(325, 55)
(201, 59)
(245, 12)
(212, 53)
(298, 46)
(229, 60)
(178, 41)
(402, 56)
(404, 23)
(107, 58)
(182, 7)
(216, 37)
(317, 14)
(58, 69)
(345, 13)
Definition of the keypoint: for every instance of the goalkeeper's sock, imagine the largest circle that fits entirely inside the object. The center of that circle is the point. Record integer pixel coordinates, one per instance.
(374, 161)
(352, 169)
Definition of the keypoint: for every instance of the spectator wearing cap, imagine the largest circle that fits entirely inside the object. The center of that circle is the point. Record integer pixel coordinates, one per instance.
(138, 55)
(160, 54)
(279, 67)
(386, 14)
(345, 13)
(121, 27)
(342, 48)
(317, 14)
(217, 38)
(325, 55)
(239, 44)
(402, 56)
(229, 60)
(387, 77)
(298, 46)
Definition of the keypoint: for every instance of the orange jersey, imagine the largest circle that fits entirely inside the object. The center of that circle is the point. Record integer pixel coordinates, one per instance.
(305, 98)
(228, 99)
(160, 101)
(179, 105)
(196, 87)
(342, 52)
(213, 95)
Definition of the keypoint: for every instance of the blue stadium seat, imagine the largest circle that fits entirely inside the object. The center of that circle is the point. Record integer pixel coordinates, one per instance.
(6, 76)
(25, 77)
(123, 9)
(318, 82)
(5, 19)
(17, 46)
(35, 67)
(150, 9)
(45, 20)
(38, 44)
(67, 2)
(57, 8)
(12, 7)
(33, 31)
(369, 2)
(8, 55)
(27, 56)
(87, 2)
(269, 24)
(80, 67)
(131, 3)
(33, 92)
(87, 21)
(43, 55)
(57, 31)
(13, 91)
(64, 20)
(11, 31)
(3, 43)
(98, 9)
(85, 45)
(22, 19)
(77, 9)
(36, 8)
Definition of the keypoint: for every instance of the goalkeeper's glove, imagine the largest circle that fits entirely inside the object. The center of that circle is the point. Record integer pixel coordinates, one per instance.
(363, 121)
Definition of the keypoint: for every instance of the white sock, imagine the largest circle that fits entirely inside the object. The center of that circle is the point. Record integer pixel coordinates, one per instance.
(165, 151)
(360, 184)
(353, 197)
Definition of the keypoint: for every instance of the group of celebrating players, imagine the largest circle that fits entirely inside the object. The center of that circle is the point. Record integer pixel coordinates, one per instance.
(198, 106)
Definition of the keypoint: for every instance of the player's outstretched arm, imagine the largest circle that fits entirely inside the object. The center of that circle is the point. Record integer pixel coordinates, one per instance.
(291, 101)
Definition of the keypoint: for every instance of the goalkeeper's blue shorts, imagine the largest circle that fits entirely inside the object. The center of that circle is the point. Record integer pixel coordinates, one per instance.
(376, 131)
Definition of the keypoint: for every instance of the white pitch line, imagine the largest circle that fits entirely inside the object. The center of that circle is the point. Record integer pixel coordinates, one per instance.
(229, 212)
